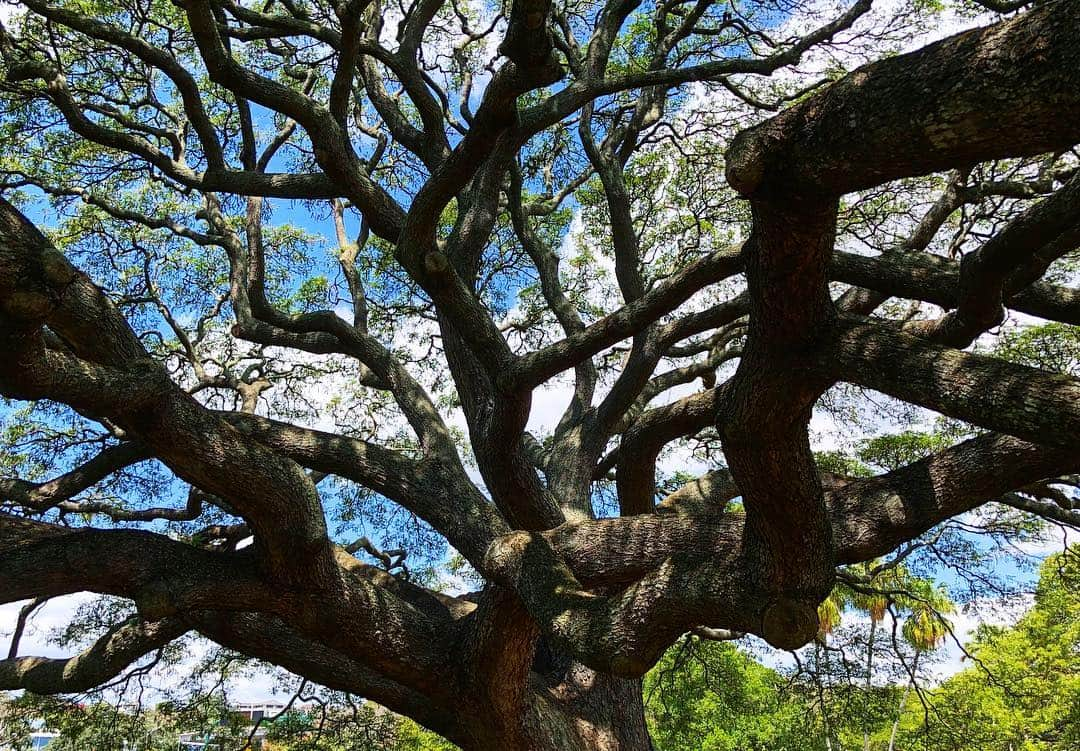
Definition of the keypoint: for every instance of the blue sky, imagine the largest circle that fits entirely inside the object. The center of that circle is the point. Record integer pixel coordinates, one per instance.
(549, 402)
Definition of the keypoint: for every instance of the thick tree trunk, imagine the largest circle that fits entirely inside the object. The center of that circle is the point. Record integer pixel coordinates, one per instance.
(586, 711)
(576, 710)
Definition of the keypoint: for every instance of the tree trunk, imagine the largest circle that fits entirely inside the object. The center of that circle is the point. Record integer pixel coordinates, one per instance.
(869, 673)
(583, 711)
(825, 725)
(587, 711)
(903, 701)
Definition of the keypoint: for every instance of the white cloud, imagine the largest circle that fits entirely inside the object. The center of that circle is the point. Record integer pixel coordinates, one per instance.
(43, 625)
(994, 611)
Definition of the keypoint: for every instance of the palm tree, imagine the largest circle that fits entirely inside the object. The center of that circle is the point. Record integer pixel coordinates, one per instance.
(830, 613)
(925, 629)
(874, 600)
(880, 591)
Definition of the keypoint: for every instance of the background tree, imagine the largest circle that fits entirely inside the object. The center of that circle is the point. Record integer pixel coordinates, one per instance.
(515, 196)
(925, 629)
(708, 695)
(1023, 688)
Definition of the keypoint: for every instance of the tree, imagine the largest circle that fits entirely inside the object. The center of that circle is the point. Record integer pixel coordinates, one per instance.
(710, 696)
(367, 728)
(1023, 690)
(925, 629)
(85, 727)
(170, 334)
(875, 601)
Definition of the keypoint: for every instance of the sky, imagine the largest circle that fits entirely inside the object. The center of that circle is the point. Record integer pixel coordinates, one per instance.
(549, 403)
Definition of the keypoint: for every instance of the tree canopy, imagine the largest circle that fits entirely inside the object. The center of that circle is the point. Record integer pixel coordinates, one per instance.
(284, 285)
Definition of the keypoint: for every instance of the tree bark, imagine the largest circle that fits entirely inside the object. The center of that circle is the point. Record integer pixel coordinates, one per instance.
(586, 711)
(611, 592)
(526, 692)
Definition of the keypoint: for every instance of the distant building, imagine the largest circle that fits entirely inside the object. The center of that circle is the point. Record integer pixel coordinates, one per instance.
(196, 742)
(203, 741)
(254, 712)
(256, 716)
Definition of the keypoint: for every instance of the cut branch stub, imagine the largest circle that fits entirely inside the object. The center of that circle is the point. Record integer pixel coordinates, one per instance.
(789, 624)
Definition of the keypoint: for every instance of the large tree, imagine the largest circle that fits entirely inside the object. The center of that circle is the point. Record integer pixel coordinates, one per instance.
(169, 323)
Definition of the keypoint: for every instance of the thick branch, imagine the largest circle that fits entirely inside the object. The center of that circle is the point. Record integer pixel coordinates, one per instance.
(159, 574)
(43, 495)
(105, 659)
(118, 381)
(1037, 237)
(936, 280)
(1026, 402)
(272, 639)
(872, 517)
(929, 110)
(443, 497)
(681, 565)
(539, 366)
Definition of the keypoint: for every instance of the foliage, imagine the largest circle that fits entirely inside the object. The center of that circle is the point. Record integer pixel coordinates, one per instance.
(1022, 690)
(713, 697)
(287, 288)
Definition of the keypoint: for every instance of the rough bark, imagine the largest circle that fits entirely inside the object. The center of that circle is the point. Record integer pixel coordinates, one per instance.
(587, 711)
(549, 654)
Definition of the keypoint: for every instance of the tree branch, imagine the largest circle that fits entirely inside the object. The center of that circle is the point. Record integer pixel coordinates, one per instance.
(110, 655)
(1022, 401)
